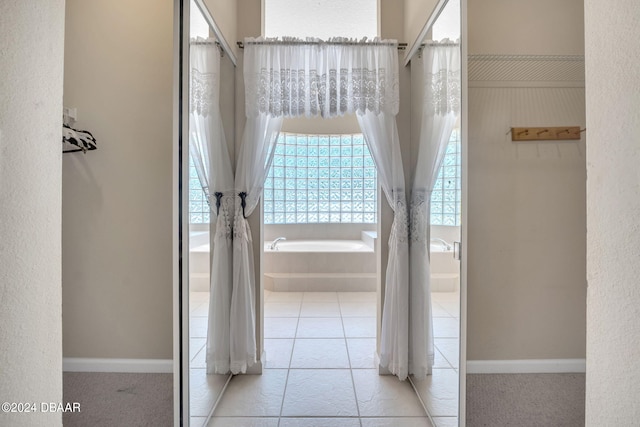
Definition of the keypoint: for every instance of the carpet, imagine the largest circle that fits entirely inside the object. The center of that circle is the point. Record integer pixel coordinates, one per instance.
(118, 399)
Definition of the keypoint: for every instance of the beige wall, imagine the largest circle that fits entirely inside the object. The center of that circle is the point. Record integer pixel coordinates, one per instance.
(416, 14)
(117, 200)
(225, 14)
(526, 201)
(540, 27)
(31, 68)
(613, 202)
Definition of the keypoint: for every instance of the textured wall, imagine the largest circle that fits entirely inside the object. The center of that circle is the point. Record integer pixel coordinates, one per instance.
(540, 27)
(613, 202)
(526, 208)
(527, 232)
(31, 64)
(117, 200)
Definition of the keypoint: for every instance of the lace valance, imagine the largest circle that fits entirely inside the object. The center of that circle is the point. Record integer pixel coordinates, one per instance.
(294, 78)
(442, 78)
(204, 87)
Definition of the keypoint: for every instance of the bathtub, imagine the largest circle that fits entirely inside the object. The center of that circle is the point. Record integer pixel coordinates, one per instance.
(319, 246)
(445, 269)
(199, 261)
(321, 265)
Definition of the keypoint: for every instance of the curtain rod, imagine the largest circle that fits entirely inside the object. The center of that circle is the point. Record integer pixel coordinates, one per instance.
(401, 46)
(435, 43)
(217, 43)
(216, 31)
(204, 43)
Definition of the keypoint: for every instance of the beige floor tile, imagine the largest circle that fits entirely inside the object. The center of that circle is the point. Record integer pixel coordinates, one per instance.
(358, 309)
(450, 349)
(319, 353)
(362, 352)
(284, 297)
(319, 309)
(278, 353)
(397, 422)
(195, 345)
(438, 310)
(320, 297)
(359, 327)
(203, 391)
(254, 395)
(198, 297)
(319, 422)
(198, 327)
(243, 422)
(200, 359)
(439, 392)
(202, 310)
(281, 309)
(446, 421)
(320, 327)
(280, 327)
(319, 393)
(452, 307)
(440, 361)
(446, 327)
(385, 395)
(197, 421)
(357, 296)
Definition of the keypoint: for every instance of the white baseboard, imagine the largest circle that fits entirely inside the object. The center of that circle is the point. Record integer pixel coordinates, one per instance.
(527, 366)
(145, 366)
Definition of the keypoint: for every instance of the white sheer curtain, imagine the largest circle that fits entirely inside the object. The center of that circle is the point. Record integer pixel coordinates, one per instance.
(292, 78)
(208, 149)
(441, 108)
(381, 135)
(256, 153)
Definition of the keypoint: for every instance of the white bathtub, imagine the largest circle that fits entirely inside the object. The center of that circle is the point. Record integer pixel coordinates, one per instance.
(319, 246)
(445, 270)
(325, 265)
(199, 261)
(320, 265)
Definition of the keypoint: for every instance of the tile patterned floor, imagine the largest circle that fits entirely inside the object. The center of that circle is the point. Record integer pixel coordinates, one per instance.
(320, 368)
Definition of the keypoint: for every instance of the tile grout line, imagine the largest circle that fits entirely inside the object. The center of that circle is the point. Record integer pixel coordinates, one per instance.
(286, 381)
(346, 344)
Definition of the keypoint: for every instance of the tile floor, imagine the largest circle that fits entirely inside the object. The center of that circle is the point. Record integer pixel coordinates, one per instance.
(320, 368)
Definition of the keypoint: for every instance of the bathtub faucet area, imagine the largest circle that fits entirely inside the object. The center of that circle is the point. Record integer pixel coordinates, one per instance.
(274, 244)
(444, 243)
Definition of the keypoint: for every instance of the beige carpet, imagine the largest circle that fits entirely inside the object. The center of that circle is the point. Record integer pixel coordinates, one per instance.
(523, 400)
(118, 400)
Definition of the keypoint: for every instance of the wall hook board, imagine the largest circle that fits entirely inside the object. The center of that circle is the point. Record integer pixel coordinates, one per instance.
(545, 134)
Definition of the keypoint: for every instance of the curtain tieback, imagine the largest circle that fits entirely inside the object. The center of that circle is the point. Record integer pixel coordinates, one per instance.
(218, 195)
(243, 202)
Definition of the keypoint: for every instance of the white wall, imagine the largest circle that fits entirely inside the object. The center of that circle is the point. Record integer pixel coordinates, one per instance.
(117, 200)
(31, 68)
(613, 203)
(526, 201)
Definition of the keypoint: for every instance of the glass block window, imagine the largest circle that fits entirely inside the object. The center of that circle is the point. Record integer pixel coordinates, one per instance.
(321, 179)
(445, 199)
(198, 206)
